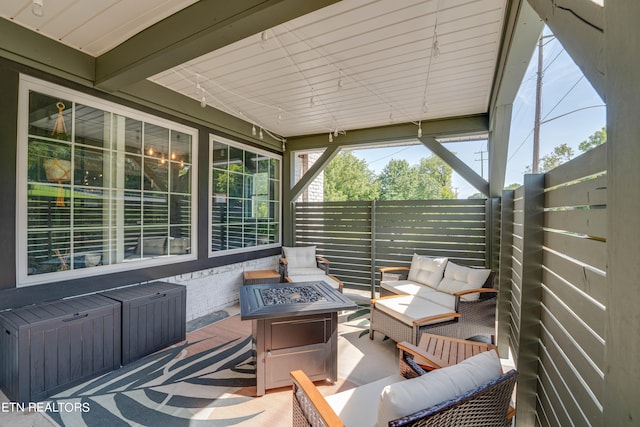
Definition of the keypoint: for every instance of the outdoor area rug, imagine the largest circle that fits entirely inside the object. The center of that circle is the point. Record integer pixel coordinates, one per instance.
(209, 380)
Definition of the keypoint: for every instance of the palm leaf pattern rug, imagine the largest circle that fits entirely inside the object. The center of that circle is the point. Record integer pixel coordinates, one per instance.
(192, 384)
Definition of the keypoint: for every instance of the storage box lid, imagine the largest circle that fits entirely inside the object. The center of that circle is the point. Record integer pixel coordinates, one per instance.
(44, 312)
(142, 291)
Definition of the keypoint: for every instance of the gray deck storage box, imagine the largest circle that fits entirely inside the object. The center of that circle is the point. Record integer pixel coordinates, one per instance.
(46, 348)
(153, 317)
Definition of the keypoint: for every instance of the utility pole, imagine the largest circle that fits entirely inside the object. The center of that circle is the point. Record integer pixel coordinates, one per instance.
(536, 127)
(481, 161)
(535, 167)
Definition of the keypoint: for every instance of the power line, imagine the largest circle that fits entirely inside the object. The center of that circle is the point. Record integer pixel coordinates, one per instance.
(564, 96)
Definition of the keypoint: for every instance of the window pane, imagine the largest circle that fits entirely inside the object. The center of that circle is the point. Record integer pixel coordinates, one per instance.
(181, 147)
(48, 251)
(88, 167)
(156, 174)
(90, 128)
(49, 161)
(89, 207)
(133, 172)
(48, 206)
(180, 178)
(49, 116)
(133, 136)
(155, 209)
(180, 209)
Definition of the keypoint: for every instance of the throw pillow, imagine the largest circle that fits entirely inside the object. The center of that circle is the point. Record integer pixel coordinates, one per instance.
(300, 257)
(406, 397)
(460, 278)
(427, 270)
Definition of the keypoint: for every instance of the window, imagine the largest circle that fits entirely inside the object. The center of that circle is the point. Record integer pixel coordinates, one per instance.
(245, 197)
(104, 188)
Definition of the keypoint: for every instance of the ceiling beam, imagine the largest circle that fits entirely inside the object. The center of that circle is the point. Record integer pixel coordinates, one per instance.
(32, 49)
(203, 27)
(456, 164)
(579, 25)
(394, 133)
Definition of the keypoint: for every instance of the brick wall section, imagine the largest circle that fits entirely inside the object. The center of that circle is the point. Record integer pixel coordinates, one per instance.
(214, 289)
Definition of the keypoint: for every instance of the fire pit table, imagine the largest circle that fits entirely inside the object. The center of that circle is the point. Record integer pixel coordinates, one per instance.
(294, 326)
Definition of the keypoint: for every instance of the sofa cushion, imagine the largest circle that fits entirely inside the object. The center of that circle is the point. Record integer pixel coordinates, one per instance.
(300, 257)
(460, 278)
(406, 397)
(427, 270)
(407, 287)
(355, 406)
(409, 308)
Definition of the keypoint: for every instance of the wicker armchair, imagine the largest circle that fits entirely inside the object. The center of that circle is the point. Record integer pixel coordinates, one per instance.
(302, 264)
(467, 318)
(485, 405)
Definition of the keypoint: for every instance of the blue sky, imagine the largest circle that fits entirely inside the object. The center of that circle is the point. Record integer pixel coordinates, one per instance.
(565, 90)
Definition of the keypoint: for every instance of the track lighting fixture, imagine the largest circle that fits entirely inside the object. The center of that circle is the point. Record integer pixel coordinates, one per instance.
(261, 134)
(37, 8)
(203, 102)
(330, 137)
(253, 130)
(419, 129)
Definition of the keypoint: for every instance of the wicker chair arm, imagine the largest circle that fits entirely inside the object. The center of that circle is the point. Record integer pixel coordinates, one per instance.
(401, 272)
(476, 291)
(315, 401)
(284, 261)
(422, 321)
(322, 260)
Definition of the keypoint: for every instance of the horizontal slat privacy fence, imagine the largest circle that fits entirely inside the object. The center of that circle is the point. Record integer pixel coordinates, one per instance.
(360, 237)
(568, 292)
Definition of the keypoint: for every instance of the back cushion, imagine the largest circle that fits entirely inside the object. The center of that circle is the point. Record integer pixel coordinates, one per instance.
(427, 270)
(460, 278)
(406, 397)
(300, 257)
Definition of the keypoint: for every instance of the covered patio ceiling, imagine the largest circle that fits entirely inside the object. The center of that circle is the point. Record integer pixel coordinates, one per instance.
(288, 69)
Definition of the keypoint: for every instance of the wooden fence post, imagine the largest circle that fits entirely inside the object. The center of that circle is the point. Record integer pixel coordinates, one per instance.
(528, 340)
(504, 271)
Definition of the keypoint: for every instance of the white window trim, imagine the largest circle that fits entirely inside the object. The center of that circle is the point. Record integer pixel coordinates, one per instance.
(27, 84)
(215, 138)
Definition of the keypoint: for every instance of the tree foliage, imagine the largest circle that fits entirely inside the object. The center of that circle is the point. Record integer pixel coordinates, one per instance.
(347, 178)
(597, 138)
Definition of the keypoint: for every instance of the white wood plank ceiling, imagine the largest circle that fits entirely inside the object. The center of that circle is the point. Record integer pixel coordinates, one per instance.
(354, 64)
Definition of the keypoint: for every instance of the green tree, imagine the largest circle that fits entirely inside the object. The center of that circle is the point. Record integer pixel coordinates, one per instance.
(398, 181)
(434, 179)
(348, 178)
(597, 138)
(558, 156)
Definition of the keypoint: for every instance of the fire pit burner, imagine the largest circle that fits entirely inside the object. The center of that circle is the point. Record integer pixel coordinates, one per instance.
(290, 295)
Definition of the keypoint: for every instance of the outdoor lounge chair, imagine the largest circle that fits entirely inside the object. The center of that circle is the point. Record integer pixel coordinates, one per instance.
(473, 392)
(302, 264)
(437, 296)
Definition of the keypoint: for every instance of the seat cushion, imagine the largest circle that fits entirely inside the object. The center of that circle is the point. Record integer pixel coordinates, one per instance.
(407, 287)
(356, 407)
(459, 278)
(300, 257)
(409, 308)
(427, 270)
(404, 398)
(305, 271)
